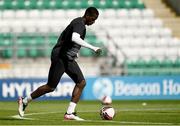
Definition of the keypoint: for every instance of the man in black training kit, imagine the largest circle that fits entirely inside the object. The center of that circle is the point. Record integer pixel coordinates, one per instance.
(63, 60)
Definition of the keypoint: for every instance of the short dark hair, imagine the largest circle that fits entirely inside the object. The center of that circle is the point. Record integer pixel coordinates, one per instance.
(90, 11)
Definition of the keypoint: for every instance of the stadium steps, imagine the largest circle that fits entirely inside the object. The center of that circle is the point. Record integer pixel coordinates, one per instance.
(162, 11)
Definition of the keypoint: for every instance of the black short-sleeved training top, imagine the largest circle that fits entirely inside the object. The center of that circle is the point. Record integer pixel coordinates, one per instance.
(65, 45)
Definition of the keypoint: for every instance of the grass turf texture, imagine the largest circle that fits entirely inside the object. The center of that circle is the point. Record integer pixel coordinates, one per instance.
(127, 113)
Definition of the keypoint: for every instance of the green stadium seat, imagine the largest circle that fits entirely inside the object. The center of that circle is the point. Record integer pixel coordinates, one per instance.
(140, 63)
(103, 4)
(24, 39)
(166, 63)
(132, 72)
(21, 52)
(86, 52)
(52, 39)
(114, 4)
(125, 4)
(129, 64)
(165, 71)
(41, 52)
(92, 3)
(2, 5)
(33, 53)
(78, 4)
(139, 5)
(21, 42)
(1, 41)
(17, 4)
(50, 4)
(90, 35)
(66, 4)
(154, 63)
(6, 36)
(39, 40)
(177, 63)
(6, 4)
(97, 43)
(150, 71)
(7, 53)
(47, 52)
(30, 4)
(56, 4)
(176, 71)
(41, 4)
(30, 39)
(7, 42)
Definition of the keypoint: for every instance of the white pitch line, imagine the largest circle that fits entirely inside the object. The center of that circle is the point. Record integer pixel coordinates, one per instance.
(19, 117)
(126, 122)
(112, 121)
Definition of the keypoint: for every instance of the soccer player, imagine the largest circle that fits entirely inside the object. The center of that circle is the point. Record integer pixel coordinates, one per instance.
(63, 61)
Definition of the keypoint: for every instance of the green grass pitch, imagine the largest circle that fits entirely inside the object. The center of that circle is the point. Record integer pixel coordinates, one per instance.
(127, 113)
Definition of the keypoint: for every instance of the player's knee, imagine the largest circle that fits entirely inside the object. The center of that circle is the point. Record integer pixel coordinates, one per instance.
(82, 84)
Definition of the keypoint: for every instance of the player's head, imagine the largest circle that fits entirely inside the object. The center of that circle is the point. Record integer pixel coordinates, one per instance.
(91, 14)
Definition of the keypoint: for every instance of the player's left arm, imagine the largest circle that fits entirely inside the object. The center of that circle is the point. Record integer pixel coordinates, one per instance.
(77, 39)
(78, 30)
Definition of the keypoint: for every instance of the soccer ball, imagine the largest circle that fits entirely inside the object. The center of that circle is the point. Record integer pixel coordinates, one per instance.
(107, 113)
(106, 100)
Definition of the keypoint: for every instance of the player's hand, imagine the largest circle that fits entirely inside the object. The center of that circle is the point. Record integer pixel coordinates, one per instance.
(98, 51)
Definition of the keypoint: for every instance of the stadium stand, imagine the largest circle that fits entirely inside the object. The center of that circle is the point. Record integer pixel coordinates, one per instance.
(134, 40)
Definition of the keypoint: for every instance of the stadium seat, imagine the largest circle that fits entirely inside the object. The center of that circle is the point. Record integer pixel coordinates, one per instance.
(79, 4)
(33, 53)
(17, 4)
(42, 4)
(140, 63)
(177, 63)
(52, 39)
(34, 14)
(8, 14)
(147, 13)
(47, 52)
(21, 14)
(86, 52)
(103, 4)
(175, 42)
(6, 4)
(7, 53)
(30, 4)
(129, 63)
(21, 52)
(153, 63)
(46, 14)
(166, 63)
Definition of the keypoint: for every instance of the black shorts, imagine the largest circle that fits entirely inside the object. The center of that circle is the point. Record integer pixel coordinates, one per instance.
(59, 65)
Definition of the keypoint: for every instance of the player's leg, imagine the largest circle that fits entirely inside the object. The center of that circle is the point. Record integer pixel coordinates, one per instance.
(77, 91)
(75, 73)
(56, 71)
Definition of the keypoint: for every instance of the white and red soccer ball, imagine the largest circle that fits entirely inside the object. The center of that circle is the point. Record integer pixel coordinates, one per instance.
(107, 113)
(106, 100)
